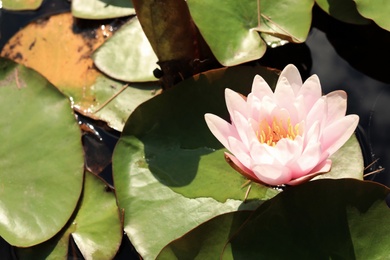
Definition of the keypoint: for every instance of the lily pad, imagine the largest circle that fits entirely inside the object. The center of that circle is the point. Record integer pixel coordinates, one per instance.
(20, 5)
(41, 165)
(377, 11)
(207, 240)
(343, 10)
(168, 163)
(234, 37)
(115, 101)
(332, 208)
(317, 220)
(95, 227)
(128, 55)
(101, 9)
(71, 69)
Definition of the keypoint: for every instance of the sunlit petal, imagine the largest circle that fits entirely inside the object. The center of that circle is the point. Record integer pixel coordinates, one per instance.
(220, 129)
(260, 88)
(286, 136)
(337, 105)
(311, 91)
(272, 174)
(240, 151)
(291, 73)
(336, 134)
(322, 168)
(235, 102)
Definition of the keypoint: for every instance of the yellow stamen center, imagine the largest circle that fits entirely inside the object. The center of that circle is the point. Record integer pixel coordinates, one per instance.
(271, 133)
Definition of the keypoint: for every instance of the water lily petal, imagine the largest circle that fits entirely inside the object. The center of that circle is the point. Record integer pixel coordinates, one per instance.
(272, 174)
(337, 105)
(284, 97)
(317, 113)
(301, 109)
(291, 73)
(254, 105)
(262, 153)
(235, 102)
(260, 88)
(313, 134)
(322, 168)
(220, 129)
(266, 109)
(307, 161)
(247, 128)
(240, 151)
(238, 166)
(241, 123)
(253, 129)
(287, 150)
(284, 94)
(336, 134)
(311, 91)
(286, 136)
(281, 114)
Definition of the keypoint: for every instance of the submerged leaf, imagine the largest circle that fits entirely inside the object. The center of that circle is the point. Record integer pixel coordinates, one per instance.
(41, 165)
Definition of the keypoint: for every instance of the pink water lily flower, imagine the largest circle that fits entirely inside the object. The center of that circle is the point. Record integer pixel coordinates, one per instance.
(286, 136)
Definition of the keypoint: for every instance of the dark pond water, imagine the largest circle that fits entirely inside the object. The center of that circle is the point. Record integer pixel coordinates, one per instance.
(353, 58)
(356, 59)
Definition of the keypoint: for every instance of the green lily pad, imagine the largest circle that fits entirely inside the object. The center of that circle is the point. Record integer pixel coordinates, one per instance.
(343, 10)
(95, 227)
(376, 10)
(167, 160)
(207, 240)
(127, 55)
(115, 101)
(101, 9)
(315, 221)
(20, 5)
(41, 165)
(154, 213)
(234, 37)
(325, 219)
